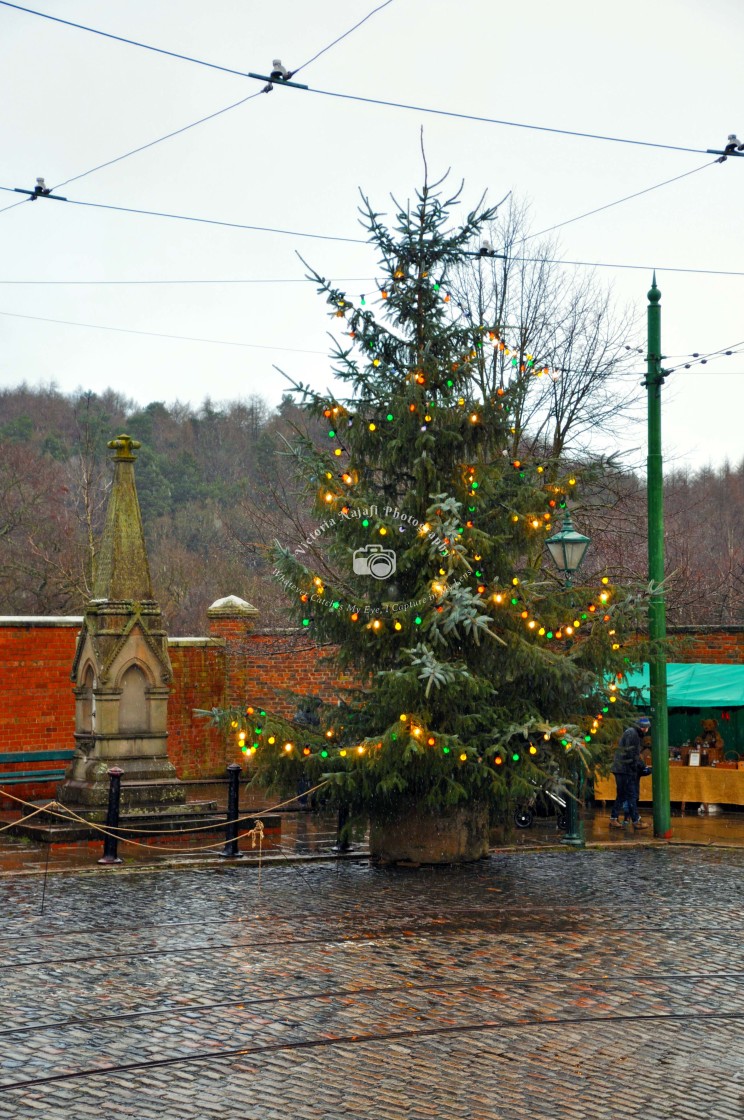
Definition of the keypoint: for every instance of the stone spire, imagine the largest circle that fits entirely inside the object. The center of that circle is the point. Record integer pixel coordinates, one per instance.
(122, 572)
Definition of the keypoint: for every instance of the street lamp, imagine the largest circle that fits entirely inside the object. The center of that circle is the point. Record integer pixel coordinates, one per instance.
(568, 549)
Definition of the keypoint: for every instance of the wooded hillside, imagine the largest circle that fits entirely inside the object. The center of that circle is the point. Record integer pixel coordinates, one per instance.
(216, 488)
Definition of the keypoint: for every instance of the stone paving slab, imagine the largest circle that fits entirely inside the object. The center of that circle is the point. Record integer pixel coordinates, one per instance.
(572, 985)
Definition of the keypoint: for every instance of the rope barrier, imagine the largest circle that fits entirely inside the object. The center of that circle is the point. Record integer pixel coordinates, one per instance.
(22, 820)
(68, 814)
(168, 831)
(56, 809)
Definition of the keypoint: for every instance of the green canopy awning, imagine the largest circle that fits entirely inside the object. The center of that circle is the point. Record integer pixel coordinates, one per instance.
(696, 686)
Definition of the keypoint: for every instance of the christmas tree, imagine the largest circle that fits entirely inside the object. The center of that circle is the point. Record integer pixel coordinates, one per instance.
(479, 671)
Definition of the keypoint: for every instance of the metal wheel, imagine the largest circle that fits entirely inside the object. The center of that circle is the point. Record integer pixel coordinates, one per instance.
(523, 818)
(562, 820)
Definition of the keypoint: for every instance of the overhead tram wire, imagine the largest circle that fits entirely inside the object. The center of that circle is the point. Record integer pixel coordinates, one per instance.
(356, 97)
(152, 143)
(159, 334)
(203, 221)
(193, 124)
(217, 113)
(617, 202)
(362, 241)
(342, 37)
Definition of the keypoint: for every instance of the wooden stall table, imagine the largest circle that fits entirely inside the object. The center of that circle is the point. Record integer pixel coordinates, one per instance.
(709, 785)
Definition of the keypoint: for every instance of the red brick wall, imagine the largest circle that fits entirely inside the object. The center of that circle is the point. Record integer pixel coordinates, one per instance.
(277, 665)
(194, 747)
(37, 707)
(712, 645)
(232, 666)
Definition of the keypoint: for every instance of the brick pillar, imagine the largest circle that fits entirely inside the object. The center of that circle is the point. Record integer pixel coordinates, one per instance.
(232, 620)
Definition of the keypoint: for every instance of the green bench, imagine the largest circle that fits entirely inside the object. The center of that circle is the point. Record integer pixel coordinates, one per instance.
(17, 777)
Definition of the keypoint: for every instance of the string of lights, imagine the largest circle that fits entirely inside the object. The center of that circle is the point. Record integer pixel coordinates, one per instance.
(711, 356)
(356, 97)
(265, 346)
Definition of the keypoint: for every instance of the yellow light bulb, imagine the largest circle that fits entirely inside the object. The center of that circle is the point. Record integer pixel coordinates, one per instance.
(373, 427)
(342, 753)
(403, 718)
(329, 497)
(463, 757)
(398, 626)
(383, 530)
(360, 750)
(338, 451)
(288, 747)
(272, 739)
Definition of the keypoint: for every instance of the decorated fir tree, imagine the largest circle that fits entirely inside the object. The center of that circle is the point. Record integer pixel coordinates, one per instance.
(479, 671)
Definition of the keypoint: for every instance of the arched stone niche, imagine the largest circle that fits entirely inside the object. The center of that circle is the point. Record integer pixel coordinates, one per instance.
(134, 701)
(86, 709)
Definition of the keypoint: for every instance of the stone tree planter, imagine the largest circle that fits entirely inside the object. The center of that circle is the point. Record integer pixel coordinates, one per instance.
(411, 834)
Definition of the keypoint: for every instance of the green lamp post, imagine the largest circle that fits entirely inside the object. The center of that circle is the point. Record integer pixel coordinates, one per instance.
(657, 609)
(568, 548)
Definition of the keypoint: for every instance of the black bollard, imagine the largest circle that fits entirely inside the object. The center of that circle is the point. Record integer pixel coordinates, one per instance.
(230, 850)
(110, 842)
(342, 843)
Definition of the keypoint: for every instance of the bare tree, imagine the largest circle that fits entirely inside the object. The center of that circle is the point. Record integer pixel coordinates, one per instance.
(545, 319)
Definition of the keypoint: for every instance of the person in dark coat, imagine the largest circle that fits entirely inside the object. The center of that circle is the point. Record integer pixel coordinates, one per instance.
(627, 766)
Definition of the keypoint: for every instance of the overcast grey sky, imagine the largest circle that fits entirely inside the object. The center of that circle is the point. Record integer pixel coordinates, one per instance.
(664, 72)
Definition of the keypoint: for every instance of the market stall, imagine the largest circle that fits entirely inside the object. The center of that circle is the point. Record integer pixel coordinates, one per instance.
(706, 734)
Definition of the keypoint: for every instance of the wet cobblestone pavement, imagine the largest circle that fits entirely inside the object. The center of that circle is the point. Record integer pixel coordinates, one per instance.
(537, 984)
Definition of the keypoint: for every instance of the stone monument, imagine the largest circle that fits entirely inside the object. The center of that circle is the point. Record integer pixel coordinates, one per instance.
(122, 671)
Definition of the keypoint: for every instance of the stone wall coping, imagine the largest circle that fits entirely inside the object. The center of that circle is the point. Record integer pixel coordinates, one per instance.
(219, 642)
(42, 620)
(716, 628)
(231, 606)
